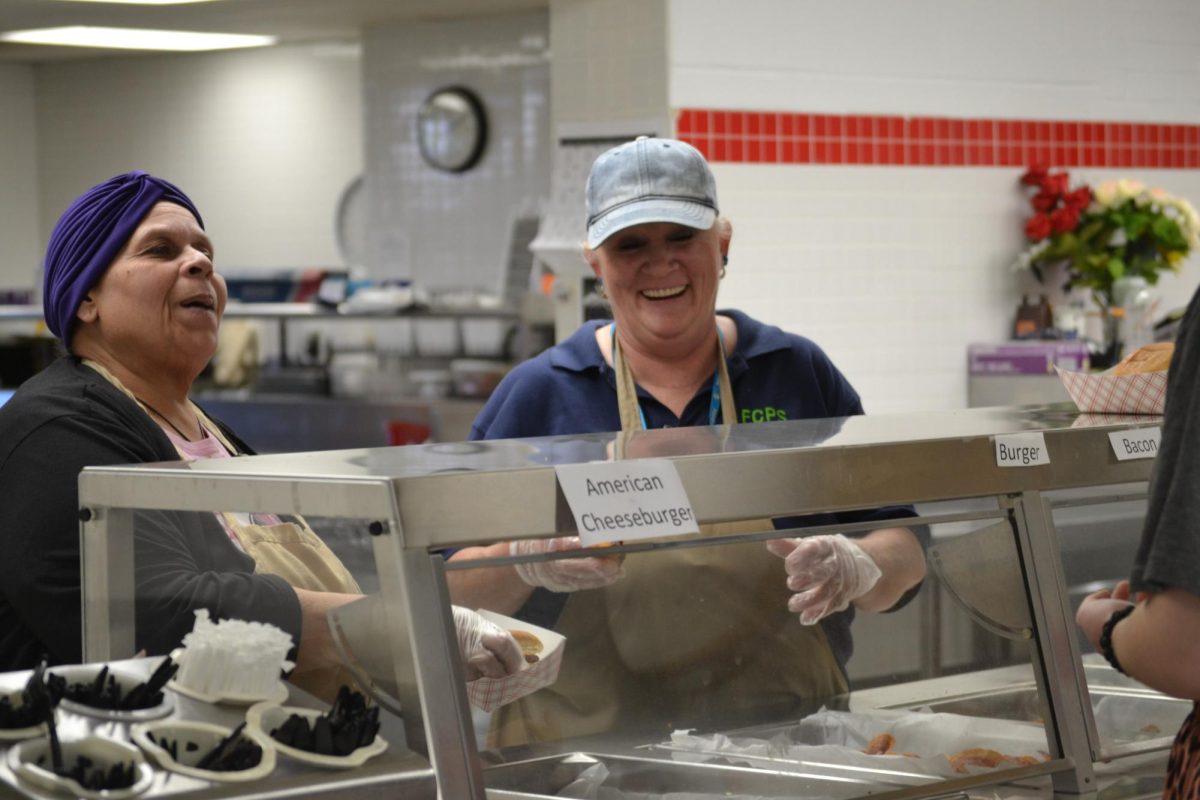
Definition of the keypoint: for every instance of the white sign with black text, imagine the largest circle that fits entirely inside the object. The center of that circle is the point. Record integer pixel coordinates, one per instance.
(616, 501)
(1021, 450)
(1136, 443)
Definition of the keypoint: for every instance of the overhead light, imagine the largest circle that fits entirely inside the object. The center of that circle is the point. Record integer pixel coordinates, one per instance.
(135, 38)
(145, 2)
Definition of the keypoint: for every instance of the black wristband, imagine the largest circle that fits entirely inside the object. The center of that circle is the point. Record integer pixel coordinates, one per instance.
(1106, 645)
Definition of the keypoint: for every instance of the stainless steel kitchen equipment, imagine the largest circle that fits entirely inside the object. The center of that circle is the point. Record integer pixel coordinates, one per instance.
(995, 552)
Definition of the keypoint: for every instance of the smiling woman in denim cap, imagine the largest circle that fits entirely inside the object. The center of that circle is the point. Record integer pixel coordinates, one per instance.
(698, 636)
(131, 290)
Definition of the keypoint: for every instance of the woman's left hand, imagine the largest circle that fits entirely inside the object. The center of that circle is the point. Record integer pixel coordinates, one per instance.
(826, 573)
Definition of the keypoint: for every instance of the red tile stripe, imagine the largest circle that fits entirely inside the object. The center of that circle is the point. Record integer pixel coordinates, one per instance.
(769, 137)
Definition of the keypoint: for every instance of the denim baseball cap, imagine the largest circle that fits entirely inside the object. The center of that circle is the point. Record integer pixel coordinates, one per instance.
(649, 180)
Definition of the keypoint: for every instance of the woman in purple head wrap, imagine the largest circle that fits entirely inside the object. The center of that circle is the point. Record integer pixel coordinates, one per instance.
(131, 290)
(89, 235)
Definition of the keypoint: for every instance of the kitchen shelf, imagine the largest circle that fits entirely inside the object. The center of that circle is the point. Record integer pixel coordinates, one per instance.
(283, 313)
(286, 311)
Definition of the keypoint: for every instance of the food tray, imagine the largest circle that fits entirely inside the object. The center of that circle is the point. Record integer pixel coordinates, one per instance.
(489, 694)
(641, 778)
(925, 747)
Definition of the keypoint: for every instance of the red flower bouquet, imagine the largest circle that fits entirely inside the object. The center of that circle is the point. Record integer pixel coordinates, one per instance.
(1122, 229)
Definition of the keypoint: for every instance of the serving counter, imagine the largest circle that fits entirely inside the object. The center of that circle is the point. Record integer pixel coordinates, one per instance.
(1028, 699)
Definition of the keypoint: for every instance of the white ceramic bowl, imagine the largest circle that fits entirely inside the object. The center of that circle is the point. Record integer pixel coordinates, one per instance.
(23, 757)
(151, 736)
(86, 673)
(266, 717)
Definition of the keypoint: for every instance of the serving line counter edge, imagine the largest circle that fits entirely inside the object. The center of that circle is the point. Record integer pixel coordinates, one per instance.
(420, 499)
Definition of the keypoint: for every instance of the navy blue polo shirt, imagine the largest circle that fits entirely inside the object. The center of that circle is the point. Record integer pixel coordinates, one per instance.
(570, 389)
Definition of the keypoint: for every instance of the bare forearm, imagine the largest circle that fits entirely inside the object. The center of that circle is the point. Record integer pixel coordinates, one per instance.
(316, 649)
(899, 555)
(497, 589)
(1157, 644)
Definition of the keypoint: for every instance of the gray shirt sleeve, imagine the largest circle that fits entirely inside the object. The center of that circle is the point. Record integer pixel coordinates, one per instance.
(1169, 553)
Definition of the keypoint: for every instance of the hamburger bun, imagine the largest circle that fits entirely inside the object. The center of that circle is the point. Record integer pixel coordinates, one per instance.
(531, 646)
(1151, 358)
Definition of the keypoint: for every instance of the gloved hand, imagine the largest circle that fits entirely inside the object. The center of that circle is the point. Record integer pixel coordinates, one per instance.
(825, 572)
(488, 651)
(564, 574)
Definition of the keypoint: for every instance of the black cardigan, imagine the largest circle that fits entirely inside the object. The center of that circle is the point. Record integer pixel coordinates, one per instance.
(61, 420)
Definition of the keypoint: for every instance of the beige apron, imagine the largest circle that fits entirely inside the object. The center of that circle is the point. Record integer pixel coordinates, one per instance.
(294, 552)
(694, 637)
(291, 550)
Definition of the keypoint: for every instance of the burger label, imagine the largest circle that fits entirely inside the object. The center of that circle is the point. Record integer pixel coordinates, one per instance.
(1021, 450)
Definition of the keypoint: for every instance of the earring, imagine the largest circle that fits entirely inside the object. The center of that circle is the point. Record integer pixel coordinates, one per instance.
(601, 291)
(724, 262)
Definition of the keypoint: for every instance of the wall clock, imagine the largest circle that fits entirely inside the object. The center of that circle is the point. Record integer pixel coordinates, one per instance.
(452, 129)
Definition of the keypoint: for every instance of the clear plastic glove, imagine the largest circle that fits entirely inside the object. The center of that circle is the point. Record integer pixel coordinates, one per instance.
(565, 574)
(825, 572)
(488, 651)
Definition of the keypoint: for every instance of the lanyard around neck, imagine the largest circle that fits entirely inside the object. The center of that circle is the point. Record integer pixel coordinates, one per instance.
(714, 402)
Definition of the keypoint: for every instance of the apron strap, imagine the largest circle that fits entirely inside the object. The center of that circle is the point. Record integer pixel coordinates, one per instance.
(627, 400)
(207, 424)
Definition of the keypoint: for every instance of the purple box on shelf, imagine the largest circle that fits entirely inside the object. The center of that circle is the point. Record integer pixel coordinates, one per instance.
(1026, 357)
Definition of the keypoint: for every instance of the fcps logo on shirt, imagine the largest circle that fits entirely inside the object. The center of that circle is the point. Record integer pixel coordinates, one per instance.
(766, 414)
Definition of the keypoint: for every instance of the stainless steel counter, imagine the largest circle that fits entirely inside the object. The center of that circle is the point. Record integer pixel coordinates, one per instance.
(1002, 562)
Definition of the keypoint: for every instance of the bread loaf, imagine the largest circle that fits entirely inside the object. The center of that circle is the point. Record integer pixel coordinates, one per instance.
(1151, 358)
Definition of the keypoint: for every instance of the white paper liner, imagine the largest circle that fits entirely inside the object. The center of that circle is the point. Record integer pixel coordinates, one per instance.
(489, 694)
(1122, 719)
(925, 742)
(1105, 393)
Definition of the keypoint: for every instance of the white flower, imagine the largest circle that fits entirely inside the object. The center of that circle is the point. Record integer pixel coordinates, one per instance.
(1190, 222)
(1104, 195)
(1188, 211)
(1184, 215)
(1127, 188)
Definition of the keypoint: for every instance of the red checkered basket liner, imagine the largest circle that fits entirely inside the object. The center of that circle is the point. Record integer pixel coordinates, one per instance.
(1105, 393)
(491, 693)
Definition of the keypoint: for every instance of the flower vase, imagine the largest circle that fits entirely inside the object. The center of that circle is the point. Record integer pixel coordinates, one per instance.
(1108, 351)
(1126, 324)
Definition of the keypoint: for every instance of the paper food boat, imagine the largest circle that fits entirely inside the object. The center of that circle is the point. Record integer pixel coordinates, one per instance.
(1105, 393)
(489, 694)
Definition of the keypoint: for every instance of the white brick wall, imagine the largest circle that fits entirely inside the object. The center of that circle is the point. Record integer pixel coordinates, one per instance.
(894, 270)
(454, 229)
(874, 263)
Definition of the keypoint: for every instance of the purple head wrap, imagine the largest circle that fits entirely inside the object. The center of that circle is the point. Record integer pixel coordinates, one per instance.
(89, 235)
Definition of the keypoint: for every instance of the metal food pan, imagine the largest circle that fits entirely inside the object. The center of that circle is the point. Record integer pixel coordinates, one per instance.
(546, 777)
(1151, 718)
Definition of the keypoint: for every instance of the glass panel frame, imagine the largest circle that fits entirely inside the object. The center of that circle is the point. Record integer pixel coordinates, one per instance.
(419, 499)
